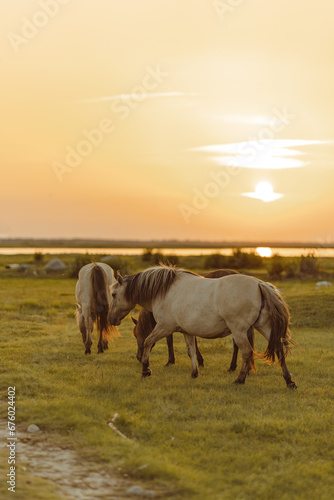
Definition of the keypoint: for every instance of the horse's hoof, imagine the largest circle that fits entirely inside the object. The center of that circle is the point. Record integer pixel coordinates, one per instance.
(169, 363)
(201, 363)
(239, 381)
(88, 352)
(194, 374)
(100, 351)
(146, 373)
(232, 369)
(292, 385)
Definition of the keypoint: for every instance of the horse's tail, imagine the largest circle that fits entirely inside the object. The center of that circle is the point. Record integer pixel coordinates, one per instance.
(280, 337)
(101, 303)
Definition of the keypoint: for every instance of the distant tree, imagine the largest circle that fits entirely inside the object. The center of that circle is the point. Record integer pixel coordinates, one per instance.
(309, 265)
(38, 257)
(147, 255)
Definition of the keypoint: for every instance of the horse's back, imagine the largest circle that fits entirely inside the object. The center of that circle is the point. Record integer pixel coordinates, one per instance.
(84, 289)
(237, 293)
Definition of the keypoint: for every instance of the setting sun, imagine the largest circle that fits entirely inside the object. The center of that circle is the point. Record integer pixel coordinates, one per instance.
(264, 191)
(264, 251)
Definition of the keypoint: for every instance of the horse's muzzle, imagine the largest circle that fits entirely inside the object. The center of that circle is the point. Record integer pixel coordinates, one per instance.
(113, 321)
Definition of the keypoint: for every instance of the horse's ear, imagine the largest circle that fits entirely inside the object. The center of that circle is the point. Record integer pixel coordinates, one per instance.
(134, 320)
(119, 278)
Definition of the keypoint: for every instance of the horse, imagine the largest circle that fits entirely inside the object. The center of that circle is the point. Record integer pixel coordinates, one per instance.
(183, 301)
(145, 324)
(92, 293)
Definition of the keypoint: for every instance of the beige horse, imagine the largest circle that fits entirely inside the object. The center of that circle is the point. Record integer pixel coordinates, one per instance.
(145, 323)
(92, 293)
(184, 302)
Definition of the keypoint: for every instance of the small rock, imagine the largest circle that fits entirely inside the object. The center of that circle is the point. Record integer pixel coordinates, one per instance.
(55, 265)
(33, 428)
(140, 492)
(324, 283)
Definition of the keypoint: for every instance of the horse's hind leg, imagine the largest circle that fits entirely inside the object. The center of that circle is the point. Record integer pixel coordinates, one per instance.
(264, 327)
(82, 326)
(171, 355)
(100, 343)
(198, 354)
(89, 328)
(190, 341)
(286, 374)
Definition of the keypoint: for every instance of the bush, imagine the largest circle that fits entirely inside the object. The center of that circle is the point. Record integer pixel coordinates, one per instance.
(276, 267)
(292, 270)
(79, 262)
(238, 260)
(309, 265)
(119, 264)
(216, 261)
(38, 257)
(243, 260)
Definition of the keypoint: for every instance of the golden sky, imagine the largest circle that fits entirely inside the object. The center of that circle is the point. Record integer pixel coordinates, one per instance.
(160, 119)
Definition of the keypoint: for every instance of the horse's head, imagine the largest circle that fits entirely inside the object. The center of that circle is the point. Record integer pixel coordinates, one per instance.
(119, 306)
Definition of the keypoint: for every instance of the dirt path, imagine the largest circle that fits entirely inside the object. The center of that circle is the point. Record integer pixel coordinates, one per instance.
(39, 456)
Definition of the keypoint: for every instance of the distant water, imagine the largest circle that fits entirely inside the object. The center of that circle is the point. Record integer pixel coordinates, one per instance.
(284, 252)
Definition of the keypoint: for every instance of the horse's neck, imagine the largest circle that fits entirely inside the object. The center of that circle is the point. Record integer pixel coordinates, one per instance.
(145, 304)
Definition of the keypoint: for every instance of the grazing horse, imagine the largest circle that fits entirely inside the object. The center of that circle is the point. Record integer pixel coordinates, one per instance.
(145, 324)
(185, 302)
(92, 294)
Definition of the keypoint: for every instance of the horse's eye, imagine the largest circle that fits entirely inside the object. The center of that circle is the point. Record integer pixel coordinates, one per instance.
(113, 295)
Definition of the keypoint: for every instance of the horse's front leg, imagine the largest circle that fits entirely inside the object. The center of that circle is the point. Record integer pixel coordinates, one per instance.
(233, 364)
(199, 356)
(158, 333)
(190, 341)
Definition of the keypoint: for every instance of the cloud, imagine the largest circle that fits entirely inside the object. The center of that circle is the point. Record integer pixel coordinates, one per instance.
(133, 95)
(271, 154)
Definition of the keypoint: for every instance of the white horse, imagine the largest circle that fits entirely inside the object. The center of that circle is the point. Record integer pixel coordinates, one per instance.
(92, 293)
(182, 301)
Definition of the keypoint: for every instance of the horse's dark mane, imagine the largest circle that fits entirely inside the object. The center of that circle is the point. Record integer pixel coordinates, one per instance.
(151, 283)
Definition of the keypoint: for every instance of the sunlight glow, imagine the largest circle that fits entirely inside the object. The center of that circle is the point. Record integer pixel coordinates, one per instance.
(263, 160)
(271, 154)
(264, 192)
(264, 251)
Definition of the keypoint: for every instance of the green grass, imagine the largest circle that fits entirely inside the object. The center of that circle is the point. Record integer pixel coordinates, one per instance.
(201, 439)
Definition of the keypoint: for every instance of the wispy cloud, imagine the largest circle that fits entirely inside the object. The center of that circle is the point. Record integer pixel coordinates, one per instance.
(269, 154)
(125, 97)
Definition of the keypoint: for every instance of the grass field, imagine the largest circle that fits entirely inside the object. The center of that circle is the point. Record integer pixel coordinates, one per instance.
(194, 439)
